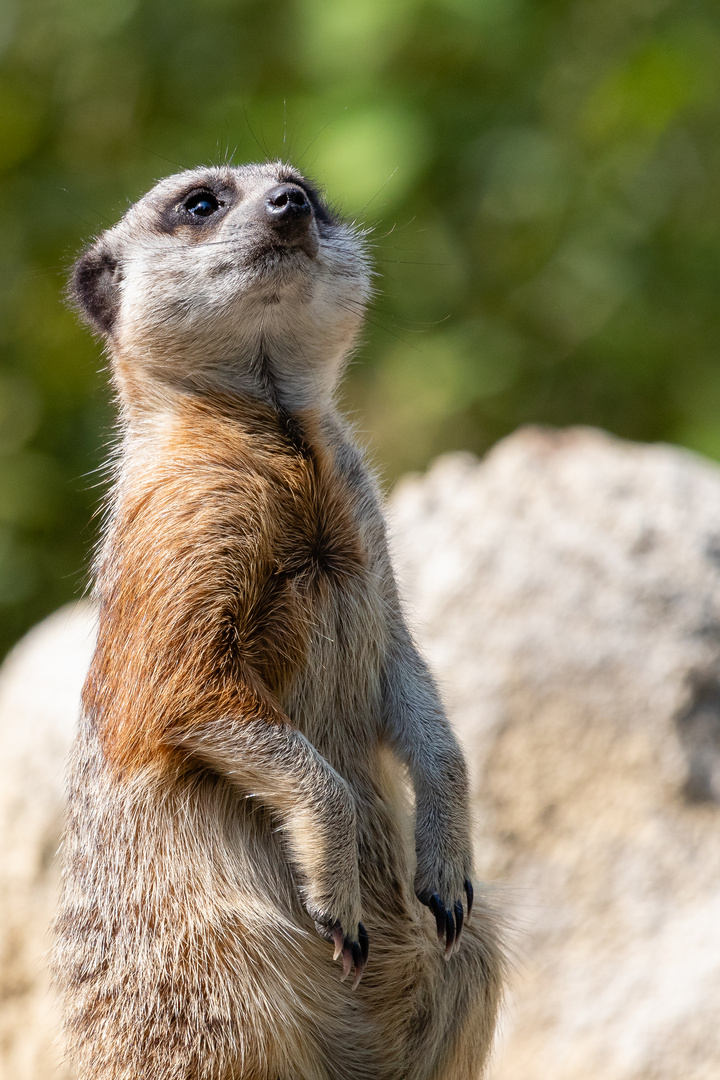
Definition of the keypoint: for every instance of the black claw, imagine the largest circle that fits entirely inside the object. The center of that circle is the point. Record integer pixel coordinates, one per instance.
(458, 922)
(358, 962)
(438, 909)
(354, 953)
(364, 942)
(347, 958)
(470, 894)
(449, 933)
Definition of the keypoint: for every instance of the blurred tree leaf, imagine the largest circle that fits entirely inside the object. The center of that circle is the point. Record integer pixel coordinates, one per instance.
(541, 182)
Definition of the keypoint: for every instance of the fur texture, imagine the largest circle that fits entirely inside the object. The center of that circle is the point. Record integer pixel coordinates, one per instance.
(256, 710)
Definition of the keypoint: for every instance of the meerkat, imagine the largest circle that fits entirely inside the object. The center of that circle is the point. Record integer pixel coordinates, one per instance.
(239, 835)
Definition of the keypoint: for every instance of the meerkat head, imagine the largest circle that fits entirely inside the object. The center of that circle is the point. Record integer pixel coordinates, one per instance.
(227, 277)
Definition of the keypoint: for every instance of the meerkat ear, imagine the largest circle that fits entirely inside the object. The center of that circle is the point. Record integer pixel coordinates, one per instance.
(94, 287)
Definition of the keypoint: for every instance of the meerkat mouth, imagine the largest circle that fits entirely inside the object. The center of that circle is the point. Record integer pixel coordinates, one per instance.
(299, 251)
(282, 264)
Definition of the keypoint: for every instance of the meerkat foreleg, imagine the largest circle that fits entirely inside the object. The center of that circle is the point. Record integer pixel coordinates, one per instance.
(443, 878)
(275, 763)
(421, 735)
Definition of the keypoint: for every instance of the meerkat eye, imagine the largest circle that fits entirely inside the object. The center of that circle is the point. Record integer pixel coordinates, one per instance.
(201, 204)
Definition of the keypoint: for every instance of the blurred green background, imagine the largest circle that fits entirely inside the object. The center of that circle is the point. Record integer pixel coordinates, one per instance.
(542, 178)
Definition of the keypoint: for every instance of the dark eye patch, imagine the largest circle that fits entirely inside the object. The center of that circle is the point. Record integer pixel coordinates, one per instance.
(200, 205)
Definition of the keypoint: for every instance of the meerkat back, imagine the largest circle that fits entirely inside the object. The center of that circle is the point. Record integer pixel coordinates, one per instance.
(248, 891)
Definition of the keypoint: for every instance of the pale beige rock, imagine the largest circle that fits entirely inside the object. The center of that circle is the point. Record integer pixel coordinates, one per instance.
(39, 694)
(567, 592)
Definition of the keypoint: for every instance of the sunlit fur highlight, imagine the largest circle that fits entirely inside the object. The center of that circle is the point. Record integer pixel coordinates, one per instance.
(262, 753)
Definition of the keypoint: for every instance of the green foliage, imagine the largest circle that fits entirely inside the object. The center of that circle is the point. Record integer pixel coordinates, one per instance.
(542, 179)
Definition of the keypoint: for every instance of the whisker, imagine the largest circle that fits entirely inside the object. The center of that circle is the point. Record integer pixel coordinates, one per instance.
(396, 228)
(170, 161)
(380, 326)
(411, 325)
(250, 129)
(381, 188)
(262, 136)
(290, 148)
(79, 217)
(323, 128)
(411, 262)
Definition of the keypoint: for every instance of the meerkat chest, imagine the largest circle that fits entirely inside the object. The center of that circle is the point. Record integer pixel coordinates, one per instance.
(331, 582)
(323, 541)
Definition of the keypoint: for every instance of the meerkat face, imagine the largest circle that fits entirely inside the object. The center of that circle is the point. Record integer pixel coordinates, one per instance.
(217, 267)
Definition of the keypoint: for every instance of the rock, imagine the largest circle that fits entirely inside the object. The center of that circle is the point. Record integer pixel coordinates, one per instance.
(40, 685)
(567, 592)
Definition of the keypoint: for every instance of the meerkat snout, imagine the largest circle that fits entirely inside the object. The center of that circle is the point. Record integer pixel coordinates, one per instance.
(291, 217)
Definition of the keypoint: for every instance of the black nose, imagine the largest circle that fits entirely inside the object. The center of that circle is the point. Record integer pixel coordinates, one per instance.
(287, 202)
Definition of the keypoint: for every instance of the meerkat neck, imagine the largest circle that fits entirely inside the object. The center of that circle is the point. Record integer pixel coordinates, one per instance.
(289, 385)
(292, 382)
(153, 410)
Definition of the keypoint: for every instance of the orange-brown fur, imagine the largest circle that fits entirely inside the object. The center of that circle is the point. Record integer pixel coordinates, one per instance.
(214, 567)
(255, 707)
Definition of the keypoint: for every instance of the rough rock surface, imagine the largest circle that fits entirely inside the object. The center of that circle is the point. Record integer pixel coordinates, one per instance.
(567, 592)
(39, 692)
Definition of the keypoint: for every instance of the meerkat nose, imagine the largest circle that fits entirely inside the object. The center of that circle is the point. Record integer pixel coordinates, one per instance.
(286, 203)
(291, 219)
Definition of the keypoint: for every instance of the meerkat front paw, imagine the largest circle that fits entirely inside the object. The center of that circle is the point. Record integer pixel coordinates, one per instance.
(353, 953)
(447, 907)
(352, 947)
